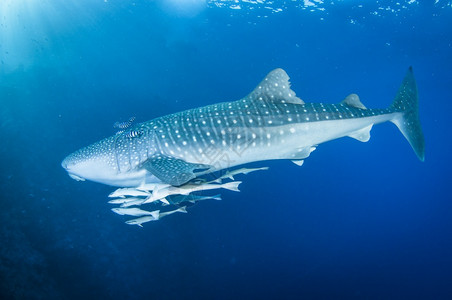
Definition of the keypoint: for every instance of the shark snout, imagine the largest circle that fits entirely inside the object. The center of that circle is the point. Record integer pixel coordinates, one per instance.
(67, 166)
(64, 164)
(72, 162)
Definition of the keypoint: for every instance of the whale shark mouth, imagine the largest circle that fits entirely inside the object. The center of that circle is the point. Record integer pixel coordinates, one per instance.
(78, 178)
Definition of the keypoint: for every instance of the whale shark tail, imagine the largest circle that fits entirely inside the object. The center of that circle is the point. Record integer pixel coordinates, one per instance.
(406, 102)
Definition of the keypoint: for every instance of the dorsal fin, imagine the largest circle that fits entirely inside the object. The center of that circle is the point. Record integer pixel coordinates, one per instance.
(353, 100)
(275, 87)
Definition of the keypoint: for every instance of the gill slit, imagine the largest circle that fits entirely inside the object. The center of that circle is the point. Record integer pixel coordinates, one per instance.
(116, 152)
(128, 154)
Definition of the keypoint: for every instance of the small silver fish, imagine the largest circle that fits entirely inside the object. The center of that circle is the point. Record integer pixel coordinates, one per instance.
(148, 187)
(123, 200)
(138, 201)
(190, 188)
(136, 212)
(177, 199)
(123, 192)
(231, 174)
(200, 198)
(141, 220)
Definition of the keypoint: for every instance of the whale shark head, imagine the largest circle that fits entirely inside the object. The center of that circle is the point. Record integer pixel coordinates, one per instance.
(106, 162)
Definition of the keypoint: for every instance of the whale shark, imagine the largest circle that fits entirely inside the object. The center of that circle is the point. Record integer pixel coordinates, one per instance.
(270, 123)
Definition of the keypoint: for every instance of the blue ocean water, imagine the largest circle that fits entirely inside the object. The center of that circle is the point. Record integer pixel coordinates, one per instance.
(356, 221)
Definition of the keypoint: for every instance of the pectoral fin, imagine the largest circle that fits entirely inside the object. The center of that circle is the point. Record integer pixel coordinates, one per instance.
(301, 153)
(172, 170)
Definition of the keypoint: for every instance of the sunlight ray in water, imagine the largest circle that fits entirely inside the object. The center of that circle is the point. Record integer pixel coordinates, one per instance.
(28, 29)
(186, 8)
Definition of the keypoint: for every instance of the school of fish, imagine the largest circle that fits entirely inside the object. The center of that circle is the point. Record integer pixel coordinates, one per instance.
(160, 194)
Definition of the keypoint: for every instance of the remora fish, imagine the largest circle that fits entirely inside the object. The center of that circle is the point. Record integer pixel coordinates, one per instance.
(231, 174)
(138, 201)
(187, 189)
(128, 192)
(269, 123)
(175, 200)
(152, 186)
(124, 125)
(141, 220)
(136, 212)
(124, 200)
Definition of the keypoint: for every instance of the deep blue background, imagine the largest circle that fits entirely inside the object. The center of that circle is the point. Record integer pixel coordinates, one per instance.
(358, 220)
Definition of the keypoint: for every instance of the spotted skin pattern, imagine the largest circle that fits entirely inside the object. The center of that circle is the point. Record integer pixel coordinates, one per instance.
(270, 123)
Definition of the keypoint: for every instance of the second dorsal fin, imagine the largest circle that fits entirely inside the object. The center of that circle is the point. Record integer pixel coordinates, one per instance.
(275, 87)
(353, 100)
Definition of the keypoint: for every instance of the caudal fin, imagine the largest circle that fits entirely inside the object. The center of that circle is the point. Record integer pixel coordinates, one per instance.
(232, 186)
(406, 101)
